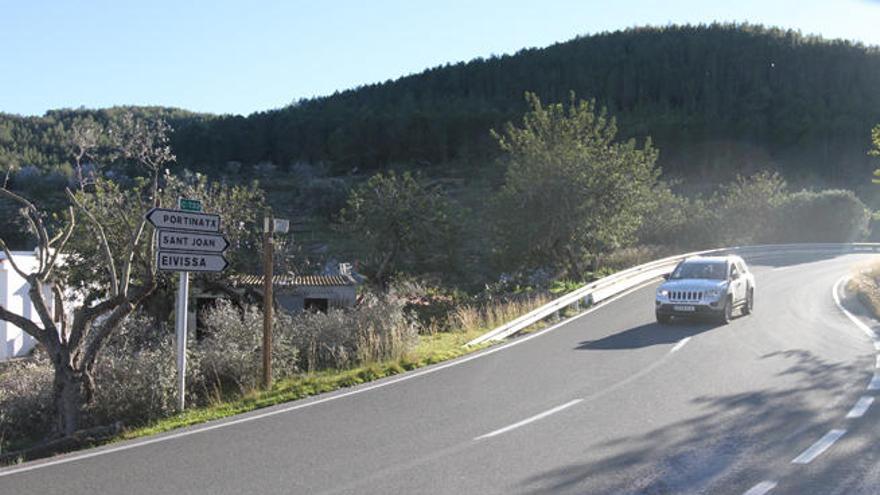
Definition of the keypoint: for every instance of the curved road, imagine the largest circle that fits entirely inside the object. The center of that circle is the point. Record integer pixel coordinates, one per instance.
(607, 403)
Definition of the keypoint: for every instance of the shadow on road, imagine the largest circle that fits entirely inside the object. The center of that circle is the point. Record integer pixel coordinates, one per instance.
(648, 335)
(709, 451)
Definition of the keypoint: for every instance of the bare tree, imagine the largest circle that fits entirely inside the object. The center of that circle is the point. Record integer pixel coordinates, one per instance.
(111, 246)
(84, 139)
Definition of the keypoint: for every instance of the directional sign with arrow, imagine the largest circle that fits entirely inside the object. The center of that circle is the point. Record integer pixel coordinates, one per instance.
(192, 241)
(163, 218)
(190, 262)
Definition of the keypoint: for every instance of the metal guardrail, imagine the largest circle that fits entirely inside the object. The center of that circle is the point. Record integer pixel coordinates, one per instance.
(624, 280)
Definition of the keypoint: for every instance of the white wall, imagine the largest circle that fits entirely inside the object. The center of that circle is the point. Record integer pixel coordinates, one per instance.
(14, 297)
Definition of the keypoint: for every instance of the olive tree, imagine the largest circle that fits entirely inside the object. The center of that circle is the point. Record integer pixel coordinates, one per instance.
(401, 223)
(108, 256)
(571, 191)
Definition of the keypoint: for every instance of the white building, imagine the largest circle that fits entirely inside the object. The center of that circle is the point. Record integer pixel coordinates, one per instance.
(14, 297)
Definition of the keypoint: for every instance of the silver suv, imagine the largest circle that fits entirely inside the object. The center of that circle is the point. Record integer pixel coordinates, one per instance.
(706, 285)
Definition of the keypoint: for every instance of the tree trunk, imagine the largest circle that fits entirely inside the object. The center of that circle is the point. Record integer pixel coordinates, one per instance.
(70, 399)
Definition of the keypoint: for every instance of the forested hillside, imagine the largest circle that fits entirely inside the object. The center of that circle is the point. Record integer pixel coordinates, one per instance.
(716, 99)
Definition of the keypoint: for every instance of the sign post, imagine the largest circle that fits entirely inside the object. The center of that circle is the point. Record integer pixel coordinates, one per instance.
(187, 241)
(271, 226)
(180, 331)
(268, 298)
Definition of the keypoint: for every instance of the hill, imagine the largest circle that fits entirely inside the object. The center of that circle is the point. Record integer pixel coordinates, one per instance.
(716, 99)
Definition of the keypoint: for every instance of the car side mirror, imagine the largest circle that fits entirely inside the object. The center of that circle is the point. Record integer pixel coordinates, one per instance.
(734, 276)
(666, 276)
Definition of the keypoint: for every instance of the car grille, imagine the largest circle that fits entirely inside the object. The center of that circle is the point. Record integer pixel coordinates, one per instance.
(685, 295)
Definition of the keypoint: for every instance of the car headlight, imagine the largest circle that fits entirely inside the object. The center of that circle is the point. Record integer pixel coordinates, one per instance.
(714, 293)
(662, 293)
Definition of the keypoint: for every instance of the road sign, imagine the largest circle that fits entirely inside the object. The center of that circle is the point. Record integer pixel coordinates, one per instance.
(187, 241)
(163, 218)
(192, 241)
(176, 261)
(189, 204)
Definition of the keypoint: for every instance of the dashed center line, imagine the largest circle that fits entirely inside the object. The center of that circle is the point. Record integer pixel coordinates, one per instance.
(761, 488)
(875, 382)
(680, 344)
(529, 420)
(877, 361)
(820, 446)
(861, 407)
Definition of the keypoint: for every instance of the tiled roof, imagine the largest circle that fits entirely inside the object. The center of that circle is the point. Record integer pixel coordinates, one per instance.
(287, 280)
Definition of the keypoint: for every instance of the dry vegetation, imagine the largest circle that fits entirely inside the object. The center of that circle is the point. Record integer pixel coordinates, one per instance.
(866, 285)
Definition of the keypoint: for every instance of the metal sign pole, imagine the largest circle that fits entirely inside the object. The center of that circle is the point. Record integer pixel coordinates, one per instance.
(268, 300)
(180, 323)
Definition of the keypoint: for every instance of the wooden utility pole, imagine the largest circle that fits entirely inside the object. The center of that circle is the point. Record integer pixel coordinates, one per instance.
(268, 299)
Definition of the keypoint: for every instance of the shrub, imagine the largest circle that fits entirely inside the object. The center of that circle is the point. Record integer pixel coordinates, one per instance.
(827, 216)
(230, 357)
(26, 408)
(375, 330)
(746, 208)
(136, 376)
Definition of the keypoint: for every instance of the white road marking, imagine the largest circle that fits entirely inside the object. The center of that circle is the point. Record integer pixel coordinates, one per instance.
(877, 345)
(861, 407)
(64, 459)
(859, 323)
(529, 420)
(875, 382)
(877, 361)
(761, 488)
(680, 344)
(820, 446)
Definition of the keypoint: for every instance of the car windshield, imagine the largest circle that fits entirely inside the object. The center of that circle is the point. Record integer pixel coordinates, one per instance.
(703, 269)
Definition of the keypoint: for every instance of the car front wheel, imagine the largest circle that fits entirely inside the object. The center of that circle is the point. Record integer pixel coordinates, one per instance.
(750, 302)
(726, 312)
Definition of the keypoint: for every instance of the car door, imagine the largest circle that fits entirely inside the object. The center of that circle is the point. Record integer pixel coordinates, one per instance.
(737, 283)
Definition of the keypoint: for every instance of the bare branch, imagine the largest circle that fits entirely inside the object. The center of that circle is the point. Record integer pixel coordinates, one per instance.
(61, 312)
(50, 331)
(102, 238)
(12, 262)
(58, 250)
(35, 221)
(119, 313)
(84, 317)
(132, 250)
(23, 323)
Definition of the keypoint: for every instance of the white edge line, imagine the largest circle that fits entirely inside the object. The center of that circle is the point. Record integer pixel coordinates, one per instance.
(761, 488)
(861, 407)
(865, 328)
(820, 446)
(529, 420)
(200, 429)
(681, 343)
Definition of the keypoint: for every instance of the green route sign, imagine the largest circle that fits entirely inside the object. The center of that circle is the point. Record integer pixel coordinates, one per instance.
(189, 204)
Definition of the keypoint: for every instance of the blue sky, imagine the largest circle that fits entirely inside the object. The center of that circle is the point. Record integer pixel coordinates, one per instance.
(240, 57)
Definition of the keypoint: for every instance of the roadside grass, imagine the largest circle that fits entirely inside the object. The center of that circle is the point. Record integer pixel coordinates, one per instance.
(431, 349)
(866, 285)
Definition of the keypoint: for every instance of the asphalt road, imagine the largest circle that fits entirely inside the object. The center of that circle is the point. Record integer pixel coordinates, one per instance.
(607, 403)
